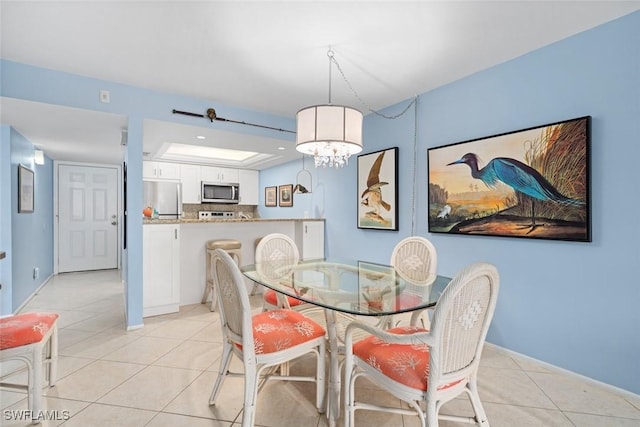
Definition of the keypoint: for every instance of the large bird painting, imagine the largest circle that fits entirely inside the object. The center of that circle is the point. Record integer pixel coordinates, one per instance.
(529, 183)
(377, 178)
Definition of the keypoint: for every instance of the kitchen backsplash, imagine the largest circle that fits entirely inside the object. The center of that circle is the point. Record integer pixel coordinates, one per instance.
(190, 211)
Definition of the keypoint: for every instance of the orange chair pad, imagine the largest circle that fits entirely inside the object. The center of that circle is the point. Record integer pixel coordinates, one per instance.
(23, 329)
(404, 300)
(271, 298)
(407, 364)
(277, 330)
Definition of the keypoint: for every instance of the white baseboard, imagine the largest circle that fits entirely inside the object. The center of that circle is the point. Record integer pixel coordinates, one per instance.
(560, 370)
(23, 305)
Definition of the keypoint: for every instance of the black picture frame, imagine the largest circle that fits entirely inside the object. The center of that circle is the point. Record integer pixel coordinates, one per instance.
(530, 183)
(26, 196)
(285, 195)
(378, 190)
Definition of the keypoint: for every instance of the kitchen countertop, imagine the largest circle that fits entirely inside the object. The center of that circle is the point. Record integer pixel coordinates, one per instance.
(217, 220)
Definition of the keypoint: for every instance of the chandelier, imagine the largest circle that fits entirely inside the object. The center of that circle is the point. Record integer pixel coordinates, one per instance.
(330, 133)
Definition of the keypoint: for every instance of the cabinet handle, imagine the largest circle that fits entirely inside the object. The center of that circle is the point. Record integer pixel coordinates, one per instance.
(305, 229)
(175, 233)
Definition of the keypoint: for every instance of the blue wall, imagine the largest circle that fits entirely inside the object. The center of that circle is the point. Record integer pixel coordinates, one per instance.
(5, 220)
(574, 305)
(48, 86)
(30, 239)
(571, 304)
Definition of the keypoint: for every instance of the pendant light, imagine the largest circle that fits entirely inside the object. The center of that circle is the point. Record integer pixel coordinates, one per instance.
(330, 133)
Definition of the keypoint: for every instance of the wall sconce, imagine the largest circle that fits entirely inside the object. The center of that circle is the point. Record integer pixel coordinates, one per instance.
(303, 181)
(38, 157)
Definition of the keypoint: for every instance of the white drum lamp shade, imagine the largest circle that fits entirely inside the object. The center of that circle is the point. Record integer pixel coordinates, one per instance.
(329, 133)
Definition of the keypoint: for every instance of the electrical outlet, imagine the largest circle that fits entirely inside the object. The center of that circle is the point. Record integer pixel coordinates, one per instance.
(104, 96)
(36, 273)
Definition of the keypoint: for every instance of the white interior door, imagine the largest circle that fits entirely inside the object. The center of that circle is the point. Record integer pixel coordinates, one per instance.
(88, 218)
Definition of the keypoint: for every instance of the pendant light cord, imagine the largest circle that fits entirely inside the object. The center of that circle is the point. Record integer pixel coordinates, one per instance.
(414, 103)
(415, 163)
(332, 59)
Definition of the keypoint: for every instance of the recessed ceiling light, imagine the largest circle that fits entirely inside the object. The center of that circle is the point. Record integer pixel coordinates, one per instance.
(281, 148)
(201, 137)
(208, 152)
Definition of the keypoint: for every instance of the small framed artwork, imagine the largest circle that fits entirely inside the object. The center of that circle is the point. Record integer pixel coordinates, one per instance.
(530, 183)
(286, 195)
(378, 190)
(270, 196)
(25, 189)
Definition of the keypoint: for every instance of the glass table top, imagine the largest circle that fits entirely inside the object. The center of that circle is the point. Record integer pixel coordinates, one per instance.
(348, 285)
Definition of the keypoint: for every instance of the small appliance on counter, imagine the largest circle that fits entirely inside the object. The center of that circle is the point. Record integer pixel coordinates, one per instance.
(163, 198)
(215, 215)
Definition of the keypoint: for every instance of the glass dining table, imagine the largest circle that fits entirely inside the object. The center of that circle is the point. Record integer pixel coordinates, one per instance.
(347, 288)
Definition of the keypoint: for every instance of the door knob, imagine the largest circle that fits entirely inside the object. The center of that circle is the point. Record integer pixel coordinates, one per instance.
(114, 222)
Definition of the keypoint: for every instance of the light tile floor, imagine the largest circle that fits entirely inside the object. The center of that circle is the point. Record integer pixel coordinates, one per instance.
(162, 375)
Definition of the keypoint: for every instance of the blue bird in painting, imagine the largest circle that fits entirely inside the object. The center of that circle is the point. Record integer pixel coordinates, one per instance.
(519, 176)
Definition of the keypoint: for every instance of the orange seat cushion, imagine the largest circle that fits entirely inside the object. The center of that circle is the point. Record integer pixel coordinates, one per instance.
(407, 300)
(407, 364)
(271, 298)
(277, 330)
(23, 329)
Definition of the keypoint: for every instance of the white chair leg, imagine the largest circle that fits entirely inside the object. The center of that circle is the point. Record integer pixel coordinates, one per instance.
(36, 384)
(31, 389)
(254, 289)
(348, 394)
(250, 395)
(320, 378)
(431, 416)
(53, 358)
(225, 361)
(478, 409)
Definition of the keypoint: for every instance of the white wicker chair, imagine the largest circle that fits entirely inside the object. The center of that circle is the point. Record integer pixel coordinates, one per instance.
(274, 254)
(428, 369)
(31, 338)
(262, 341)
(415, 259)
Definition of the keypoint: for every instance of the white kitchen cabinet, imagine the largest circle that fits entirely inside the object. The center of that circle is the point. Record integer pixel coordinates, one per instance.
(216, 174)
(160, 269)
(249, 192)
(160, 170)
(190, 178)
(309, 237)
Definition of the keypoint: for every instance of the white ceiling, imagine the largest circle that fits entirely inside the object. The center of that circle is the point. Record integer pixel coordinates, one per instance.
(264, 56)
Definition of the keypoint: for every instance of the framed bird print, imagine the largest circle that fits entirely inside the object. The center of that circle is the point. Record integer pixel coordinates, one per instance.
(531, 183)
(378, 190)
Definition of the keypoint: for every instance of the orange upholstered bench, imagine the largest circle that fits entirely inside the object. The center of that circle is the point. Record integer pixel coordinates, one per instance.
(26, 337)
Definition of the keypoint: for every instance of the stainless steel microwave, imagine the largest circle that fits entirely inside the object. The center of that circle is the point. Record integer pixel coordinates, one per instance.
(216, 192)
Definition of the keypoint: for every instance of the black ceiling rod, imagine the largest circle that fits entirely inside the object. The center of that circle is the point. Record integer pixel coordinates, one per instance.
(211, 115)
